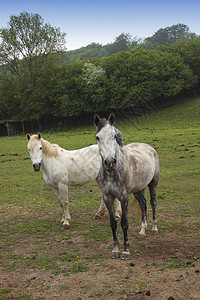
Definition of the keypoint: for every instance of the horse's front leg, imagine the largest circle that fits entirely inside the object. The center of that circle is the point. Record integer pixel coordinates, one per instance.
(62, 195)
(109, 201)
(124, 224)
(142, 202)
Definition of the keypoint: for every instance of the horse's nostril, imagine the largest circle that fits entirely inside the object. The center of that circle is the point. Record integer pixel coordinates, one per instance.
(36, 166)
(110, 162)
(107, 162)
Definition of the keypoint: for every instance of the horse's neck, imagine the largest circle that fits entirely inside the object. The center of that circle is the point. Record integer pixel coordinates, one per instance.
(48, 150)
(121, 161)
(121, 155)
(45, 146)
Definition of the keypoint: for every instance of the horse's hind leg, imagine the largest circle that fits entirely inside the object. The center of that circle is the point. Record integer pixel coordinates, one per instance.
(153, 191)
(118, 212)
(63, 189)
(142, 202)
(102, 210)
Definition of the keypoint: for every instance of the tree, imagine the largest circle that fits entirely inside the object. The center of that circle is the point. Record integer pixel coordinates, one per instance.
(142, 76)
(122, 43)
(27, 45)
(190, 53)
(28, 41)
(167, 36)
(92, 73)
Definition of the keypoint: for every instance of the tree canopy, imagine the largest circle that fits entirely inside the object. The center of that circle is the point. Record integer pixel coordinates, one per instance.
(37, 82)
(125, 42)
(167, 36)
(27, 48)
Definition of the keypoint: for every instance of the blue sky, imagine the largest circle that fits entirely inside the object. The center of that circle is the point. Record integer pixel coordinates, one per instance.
(102, 21)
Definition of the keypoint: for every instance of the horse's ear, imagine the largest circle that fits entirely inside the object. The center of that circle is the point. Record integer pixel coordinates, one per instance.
(111, 118)
(96, 120)
(28, 136)
(39, 136)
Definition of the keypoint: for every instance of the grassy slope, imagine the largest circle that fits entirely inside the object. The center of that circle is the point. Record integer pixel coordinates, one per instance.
(173, 132)
(29, 209)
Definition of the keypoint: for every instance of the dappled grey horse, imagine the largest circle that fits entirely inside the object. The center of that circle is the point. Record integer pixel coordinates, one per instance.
(124, 170)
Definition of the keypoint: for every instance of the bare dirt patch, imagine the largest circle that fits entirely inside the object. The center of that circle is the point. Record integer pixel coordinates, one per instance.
(162, 266)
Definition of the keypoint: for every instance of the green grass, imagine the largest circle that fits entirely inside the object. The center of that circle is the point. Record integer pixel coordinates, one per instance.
(30, 212)
(175, 262)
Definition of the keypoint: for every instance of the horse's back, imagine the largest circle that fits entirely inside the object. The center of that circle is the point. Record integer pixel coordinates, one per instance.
(81, 165)
(143, 150)
(72, 167)
(143, 163)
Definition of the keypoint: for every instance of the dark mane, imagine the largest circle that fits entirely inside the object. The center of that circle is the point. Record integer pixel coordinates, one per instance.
(101, 124)
(119, 137)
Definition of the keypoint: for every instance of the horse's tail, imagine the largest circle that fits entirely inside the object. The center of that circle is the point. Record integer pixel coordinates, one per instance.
(135, 207)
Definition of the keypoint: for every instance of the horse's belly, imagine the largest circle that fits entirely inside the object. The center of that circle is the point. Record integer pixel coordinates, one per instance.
(71, 172)
(83, 168)
(81, 177)
(140, 180)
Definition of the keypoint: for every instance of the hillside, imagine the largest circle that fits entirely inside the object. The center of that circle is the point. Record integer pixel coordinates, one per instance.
(40, 259)
(124, 42)
(181, 115)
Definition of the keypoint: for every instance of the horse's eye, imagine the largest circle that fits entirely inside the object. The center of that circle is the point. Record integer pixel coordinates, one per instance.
(41, 148)
(97, 138)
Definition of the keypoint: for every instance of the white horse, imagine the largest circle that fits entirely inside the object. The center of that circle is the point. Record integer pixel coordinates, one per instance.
(124, 170)
(62, 168)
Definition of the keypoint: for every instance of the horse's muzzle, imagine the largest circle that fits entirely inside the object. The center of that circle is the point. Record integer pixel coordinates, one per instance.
(110, 163)
(36, 167)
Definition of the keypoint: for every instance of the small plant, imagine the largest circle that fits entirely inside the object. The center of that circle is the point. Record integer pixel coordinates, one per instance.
(155, 264)
(66, 257)
(176, 263)
(197, 257)
(140, 287)
(76, 268)
(79, 267)
(5, 293)
(123, 291)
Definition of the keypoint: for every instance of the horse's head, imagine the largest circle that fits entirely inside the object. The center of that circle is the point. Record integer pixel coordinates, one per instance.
(109, 139)
(35, 150)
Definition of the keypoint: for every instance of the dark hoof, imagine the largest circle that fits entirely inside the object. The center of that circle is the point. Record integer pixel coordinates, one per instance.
(115, 255)
(125, 255)
(97, 217)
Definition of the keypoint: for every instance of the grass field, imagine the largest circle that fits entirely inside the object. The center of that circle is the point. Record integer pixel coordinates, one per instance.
(39, 260)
